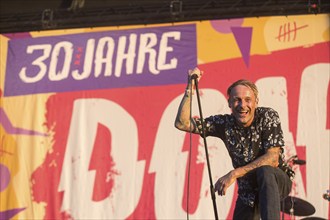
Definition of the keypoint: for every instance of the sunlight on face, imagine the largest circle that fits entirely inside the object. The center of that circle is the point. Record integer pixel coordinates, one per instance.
(243, 103)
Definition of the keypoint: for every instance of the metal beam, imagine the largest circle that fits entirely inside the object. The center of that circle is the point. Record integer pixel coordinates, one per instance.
(116, 13)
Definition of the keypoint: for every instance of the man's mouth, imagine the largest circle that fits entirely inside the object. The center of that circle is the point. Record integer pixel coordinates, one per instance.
(242, 113)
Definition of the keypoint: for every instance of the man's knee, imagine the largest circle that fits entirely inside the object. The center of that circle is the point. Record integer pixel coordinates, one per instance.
(265, 173)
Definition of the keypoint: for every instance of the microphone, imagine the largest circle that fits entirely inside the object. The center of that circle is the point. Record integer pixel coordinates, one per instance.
(299, 162)
(326, 196)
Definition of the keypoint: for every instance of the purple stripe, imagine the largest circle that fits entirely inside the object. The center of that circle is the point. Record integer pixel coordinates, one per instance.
(8, 214)
(155, 64)
(10, 129)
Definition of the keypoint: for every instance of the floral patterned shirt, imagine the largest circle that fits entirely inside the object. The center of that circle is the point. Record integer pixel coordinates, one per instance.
(246, 144)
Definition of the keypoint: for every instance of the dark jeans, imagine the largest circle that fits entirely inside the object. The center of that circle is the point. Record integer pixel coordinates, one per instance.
(273, 185)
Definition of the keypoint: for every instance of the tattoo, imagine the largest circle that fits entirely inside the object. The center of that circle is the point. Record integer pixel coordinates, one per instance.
(270, 159)
(183, 121)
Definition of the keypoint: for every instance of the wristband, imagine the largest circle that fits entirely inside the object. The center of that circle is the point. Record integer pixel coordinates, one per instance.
(188, 92)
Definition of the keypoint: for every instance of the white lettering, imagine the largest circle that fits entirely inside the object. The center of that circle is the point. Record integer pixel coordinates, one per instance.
(147, 42)
(77, 181)
(64, 73)
(312, 133)
(135, 51)
(129, 56)
(172, 176)
(37, 62)
(87, 62)
(100, 60)
(164, 49)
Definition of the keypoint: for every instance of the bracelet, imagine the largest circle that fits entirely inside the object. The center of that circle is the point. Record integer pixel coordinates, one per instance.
(188, 92)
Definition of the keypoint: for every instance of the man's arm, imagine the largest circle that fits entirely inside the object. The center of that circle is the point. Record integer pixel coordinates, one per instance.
(183, 121)
(269, 158)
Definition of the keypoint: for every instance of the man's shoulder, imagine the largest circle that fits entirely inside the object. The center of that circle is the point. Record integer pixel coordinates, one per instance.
(267, 114)
(264, 110)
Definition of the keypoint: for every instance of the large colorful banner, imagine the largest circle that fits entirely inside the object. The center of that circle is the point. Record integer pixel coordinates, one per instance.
(87, 115)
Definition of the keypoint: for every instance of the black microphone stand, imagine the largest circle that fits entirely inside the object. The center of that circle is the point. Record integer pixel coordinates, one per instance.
(206, 150)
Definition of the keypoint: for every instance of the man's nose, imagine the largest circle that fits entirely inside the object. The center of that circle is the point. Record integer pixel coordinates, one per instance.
(243, 103)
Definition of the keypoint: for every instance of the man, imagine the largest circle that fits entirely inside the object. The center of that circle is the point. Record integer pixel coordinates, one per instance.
(254, 140)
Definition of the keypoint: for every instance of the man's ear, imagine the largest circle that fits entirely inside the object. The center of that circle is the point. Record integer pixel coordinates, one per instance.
(229, 103)
(257, 101)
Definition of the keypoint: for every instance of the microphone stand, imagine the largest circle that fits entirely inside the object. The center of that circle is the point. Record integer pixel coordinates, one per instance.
(206, 151)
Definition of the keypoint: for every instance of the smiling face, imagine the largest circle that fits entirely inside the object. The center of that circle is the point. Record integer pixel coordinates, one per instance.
(243, 103)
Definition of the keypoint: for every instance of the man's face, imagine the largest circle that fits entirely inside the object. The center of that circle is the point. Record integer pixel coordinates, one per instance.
(243, 103)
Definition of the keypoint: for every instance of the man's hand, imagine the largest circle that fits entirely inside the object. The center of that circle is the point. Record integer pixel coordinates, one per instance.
(270, 159)
(195, 71)
(224, 182)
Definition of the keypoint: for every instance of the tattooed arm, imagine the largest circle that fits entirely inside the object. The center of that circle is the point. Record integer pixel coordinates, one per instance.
(183, 121)
(270, 159)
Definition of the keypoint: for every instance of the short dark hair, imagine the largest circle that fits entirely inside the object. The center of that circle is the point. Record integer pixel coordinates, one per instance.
(246, 83)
